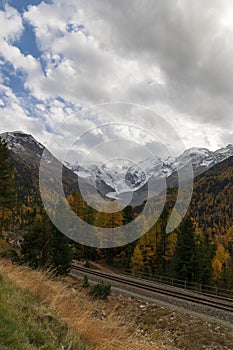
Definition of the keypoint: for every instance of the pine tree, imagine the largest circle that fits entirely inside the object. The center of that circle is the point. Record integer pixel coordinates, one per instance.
(61, 252)
(184, 256)
(162, 244)
(7, 189)
(89, 253)
(128, 214)
(45, 247)
(203, 256)
(35, 248)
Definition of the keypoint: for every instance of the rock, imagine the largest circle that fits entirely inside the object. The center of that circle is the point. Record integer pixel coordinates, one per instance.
(98, 314)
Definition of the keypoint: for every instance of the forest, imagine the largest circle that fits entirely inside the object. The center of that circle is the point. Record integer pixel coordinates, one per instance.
(199, 250)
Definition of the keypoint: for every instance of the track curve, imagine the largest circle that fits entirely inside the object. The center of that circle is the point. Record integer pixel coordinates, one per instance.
(220, 303)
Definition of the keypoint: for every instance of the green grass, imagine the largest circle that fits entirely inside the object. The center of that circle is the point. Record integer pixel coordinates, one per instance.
(26, 324)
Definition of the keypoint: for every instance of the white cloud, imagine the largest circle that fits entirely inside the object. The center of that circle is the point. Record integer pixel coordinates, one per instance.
(11, 26)
(79, 67)
(174, 56)
(13, 115)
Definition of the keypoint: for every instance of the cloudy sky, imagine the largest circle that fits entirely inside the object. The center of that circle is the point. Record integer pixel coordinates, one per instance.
(167, 63)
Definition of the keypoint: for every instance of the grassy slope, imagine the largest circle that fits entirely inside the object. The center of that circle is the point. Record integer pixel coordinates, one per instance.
(120, 323)
(25, 323)
(77, 309)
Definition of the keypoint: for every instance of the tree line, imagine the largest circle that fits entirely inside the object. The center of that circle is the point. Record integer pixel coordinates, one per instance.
(189, 253)
(43, 246)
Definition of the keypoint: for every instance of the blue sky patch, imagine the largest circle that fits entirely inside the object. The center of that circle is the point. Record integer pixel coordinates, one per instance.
(21, 5)
(14, 79)
(27, 42)
(74, 27)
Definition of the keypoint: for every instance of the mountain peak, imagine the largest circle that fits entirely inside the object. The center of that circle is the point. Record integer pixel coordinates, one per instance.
(15, 135)
(15, 132)
(196, 151)
(19, 141)
(230, 146)
(133, 177)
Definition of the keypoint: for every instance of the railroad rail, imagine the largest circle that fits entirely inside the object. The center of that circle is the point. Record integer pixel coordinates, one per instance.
(220, 303)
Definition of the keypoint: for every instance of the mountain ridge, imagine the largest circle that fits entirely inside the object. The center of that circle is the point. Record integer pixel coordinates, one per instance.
(25, 154)
(135, 177)
(116, 182)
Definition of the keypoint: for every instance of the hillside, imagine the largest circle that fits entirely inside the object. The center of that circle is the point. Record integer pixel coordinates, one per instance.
(99, 323)
(26, 323)
(212, 201)
(121, 322)
(26, 154)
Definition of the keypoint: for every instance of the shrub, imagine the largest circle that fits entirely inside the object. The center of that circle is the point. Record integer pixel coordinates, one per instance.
(85, 282)
(16, 258)
(87, 264)
(101, 290)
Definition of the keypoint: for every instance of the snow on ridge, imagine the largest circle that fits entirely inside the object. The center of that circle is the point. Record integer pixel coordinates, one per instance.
(16, 138)
(131, 178)
(126, 177)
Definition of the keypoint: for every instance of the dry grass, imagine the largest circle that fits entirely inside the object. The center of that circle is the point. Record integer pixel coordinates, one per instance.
(26, 323)
(75, 307)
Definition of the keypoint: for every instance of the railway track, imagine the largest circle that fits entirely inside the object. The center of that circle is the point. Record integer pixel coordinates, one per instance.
(220, 303)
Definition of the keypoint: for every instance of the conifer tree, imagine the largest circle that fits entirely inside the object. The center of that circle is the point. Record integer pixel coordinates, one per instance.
(7, 189)
(184, 256)
(203, 256)
(128, 214)
(45, 247)
(162, 244)
(61, 252)
(36, 247)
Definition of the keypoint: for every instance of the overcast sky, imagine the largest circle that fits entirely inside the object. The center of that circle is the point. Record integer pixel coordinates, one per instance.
(58, 58)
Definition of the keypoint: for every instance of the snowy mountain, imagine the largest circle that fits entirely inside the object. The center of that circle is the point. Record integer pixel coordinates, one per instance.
(24, 145)
(26, 152)
(15, 139)
(115, 181)
(132, 178)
